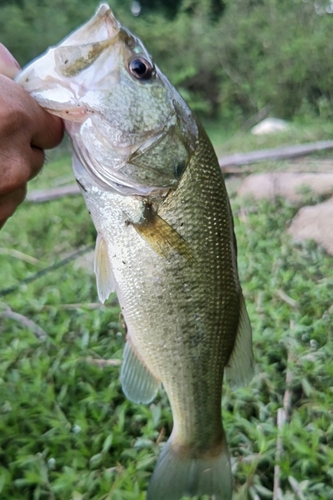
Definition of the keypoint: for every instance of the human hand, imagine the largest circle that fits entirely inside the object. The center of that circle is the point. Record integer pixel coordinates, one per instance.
(25, 131)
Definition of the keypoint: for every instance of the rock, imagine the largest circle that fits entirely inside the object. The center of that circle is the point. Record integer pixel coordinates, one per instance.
(269, 126)
(315, 223)
(286, 184)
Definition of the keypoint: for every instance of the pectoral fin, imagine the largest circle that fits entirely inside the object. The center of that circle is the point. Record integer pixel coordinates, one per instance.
(138, 383)
(240, 367)
(161, 237)
(102, 267)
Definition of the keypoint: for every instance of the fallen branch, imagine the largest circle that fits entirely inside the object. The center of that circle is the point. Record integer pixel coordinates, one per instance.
(283, 416)
(46, 270)
(161, 436)
(40, 196)
(286, 298)
(296, 488)
(238, 159)
(75, 307)
(281, 420)
(19, 255)
(25, 322)
(102, 363)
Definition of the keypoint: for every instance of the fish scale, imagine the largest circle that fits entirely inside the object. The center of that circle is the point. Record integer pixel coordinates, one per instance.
(200, 337)
(165, 243)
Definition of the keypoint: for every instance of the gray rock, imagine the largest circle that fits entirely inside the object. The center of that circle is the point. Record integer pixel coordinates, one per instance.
(286, 184)
(314, 223)
(270, 126)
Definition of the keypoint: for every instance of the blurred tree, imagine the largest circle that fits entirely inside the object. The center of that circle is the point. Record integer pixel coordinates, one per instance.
(227, 57)
(172, 7)
(27, 28)
(276, 51)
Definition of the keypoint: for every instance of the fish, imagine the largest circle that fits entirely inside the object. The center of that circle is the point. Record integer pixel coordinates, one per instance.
(165, 240)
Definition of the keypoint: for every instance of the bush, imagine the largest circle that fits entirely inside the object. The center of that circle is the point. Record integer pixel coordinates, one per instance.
(227, 58)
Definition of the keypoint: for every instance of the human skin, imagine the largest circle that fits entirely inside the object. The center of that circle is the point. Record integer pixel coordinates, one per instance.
(26, 130)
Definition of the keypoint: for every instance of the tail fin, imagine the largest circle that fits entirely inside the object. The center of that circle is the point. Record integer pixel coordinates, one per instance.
(177, 476)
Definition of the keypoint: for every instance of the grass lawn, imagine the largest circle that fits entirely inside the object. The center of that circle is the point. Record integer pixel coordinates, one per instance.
(66, 430)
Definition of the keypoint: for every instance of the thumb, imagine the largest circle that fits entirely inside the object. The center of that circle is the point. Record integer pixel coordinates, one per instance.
(8, 64)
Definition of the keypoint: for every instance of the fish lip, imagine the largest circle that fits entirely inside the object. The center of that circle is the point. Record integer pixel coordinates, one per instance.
(103, 27)
(72, 112)
(104, 9)
(75, 114)
(92, 31)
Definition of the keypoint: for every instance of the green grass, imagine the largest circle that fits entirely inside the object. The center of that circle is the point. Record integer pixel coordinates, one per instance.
(66, 430)
(228, 139)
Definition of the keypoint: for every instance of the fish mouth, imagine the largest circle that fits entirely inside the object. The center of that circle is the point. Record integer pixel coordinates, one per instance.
(100, 27)
(44, 79)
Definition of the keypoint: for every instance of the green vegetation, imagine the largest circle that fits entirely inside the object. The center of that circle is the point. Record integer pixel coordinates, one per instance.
(66, 430)
(229, 58)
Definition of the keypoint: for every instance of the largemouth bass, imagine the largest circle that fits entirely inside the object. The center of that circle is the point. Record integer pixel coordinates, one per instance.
(165, 243)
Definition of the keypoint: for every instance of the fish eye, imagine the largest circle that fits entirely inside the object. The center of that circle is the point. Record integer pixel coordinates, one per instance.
(140, 68)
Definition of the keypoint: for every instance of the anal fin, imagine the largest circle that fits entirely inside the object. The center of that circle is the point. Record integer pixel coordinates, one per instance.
(240, 367)
(138, 383)
(102, 267)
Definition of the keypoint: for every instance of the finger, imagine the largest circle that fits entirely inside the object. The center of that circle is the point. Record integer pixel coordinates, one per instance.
(8, 64)
(19, 111)
(49, 132)
(36, 162)
(9, 203)
(19, 166)
(19, 169)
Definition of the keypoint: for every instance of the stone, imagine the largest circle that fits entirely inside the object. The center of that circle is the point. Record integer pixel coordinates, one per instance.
(270, 126)
(286, 184)
(314, 223)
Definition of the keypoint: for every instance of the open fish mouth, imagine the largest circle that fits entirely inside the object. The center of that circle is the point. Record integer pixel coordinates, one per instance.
(44, 77)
